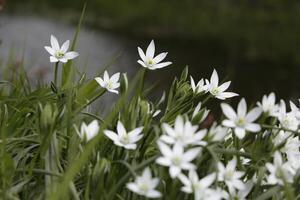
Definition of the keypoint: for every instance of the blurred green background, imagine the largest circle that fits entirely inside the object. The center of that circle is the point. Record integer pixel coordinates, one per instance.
(256, 44)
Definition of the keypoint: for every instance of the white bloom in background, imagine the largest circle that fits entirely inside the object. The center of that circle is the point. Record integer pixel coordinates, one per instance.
(124, 139)
(279, 171)
(148, 59)
(176, 159)
(60, 54)
(200, 187)
(241, 121)
(197, 112)
(216, 90)
(145, 185)
(242, 194)
(295, 110)
(183, 133)
(200, 87)
(231, 176)
(280, 137)
(88, 132)
(268, 104)
(287, 120)
(111, 84)
(217, 133)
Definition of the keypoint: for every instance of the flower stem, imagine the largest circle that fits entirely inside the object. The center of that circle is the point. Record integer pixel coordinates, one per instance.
(55, 73)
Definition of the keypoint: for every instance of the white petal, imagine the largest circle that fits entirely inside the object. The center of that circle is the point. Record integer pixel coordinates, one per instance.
(193, 85)
(130, 146)
(150, 50)
(224, 86)
(253, 127)
(50, 50)
(207, 180)
(133, 187)
(228, 123)
(174, 171)
(153, 194)
(160, 57)
(63, 59)
(191, 154)
(141, 53)
(142, 63)
(54, 43)
(113, 91)
(253, 114)
(240, 132)
(167, 139)
(163, 161)
(100, 81)
(53, 59)
(121, 129)
(165, 149)
(111, 135)
(231, 164)
(72, 54)
(228, 111)
(135, 132)
(242, 108)
(225, 95)
(161, 65)
(64, 48)
(214, 79)
(115, 77)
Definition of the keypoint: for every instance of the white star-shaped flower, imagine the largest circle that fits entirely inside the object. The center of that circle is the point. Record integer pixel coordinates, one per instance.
(149, 61)
(145, 185)
(200, 187)
(287, 120)
(218, 91)
(268, 104)
(124, 139)
(279, 170)
(60, 54)
(183, 133)
(231, 176)
(200, 87)
(88, 132)
(241, 121)
(176, 159)
(111, 84)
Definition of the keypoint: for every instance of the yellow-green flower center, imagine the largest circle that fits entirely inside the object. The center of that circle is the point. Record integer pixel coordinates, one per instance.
(215, 91)
(241, 122)
(59, 54)
(176, 160)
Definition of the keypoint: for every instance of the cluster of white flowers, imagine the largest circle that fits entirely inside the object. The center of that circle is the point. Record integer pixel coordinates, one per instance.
(182, 142)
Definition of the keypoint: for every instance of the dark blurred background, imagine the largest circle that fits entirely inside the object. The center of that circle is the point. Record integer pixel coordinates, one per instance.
(256, 44)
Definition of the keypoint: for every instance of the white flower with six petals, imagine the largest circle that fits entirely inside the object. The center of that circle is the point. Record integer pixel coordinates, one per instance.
(111, 84)
(124, 139)
(241, 121)
(60, 54)
(149, 61)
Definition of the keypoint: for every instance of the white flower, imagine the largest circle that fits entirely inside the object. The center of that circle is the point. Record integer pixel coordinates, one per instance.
(88, 132)
(151, 62)
(295, 110)
(200, 187)
(216, 90)
(111, 84)
(176, 159)
(197, 112)
(124, 139)
(268, 104)
(145, 185)
(241, 121)
(60, 54)
(230, 176)
(287, 120)
(280, 137)
(183, 133)
(279, 171)
(217, 133)
(200, 87)
(242, 194)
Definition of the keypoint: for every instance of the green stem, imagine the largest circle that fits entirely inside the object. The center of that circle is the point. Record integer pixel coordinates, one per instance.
(55, 73)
